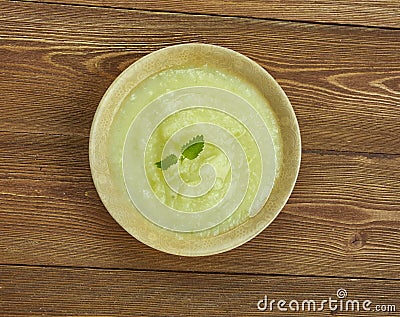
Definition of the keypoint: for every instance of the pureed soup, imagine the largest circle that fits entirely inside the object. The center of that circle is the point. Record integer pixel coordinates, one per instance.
(197, 148)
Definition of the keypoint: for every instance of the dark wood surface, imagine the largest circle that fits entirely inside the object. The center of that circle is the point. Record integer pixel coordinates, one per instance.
(382, 13)
(342, 218)
(342, 81)
(38, 291)
(61, 253)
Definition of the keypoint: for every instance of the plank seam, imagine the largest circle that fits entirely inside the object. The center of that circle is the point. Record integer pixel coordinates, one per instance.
(158, 11)
(66, 267)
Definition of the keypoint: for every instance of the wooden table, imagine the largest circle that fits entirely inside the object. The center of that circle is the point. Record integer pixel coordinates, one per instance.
(62, 254)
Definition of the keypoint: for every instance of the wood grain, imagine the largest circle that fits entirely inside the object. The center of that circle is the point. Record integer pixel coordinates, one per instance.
(381, 13)
(342, 219)
(56, 65)
(30, 291)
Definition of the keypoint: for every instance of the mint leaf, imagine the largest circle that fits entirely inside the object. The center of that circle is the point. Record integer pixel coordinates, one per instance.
(167, 162)
(192, 149)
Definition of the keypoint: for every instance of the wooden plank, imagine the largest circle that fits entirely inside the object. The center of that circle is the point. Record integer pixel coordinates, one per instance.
(381, 13)
(44, 157)
(56, 64)
(32, 291)
(342, 219)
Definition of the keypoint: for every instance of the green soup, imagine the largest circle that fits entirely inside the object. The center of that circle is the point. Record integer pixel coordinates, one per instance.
(228, 112)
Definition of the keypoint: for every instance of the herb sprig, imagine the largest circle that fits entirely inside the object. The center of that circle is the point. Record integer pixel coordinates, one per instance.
(190, 151)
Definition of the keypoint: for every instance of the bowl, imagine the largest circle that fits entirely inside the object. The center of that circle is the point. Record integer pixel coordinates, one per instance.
(184, 136)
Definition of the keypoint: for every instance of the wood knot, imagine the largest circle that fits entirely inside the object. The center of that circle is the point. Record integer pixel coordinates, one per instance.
(357, 240)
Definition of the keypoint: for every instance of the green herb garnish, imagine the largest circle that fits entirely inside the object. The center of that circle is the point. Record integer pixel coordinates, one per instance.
(189, 151)
(167, 162)
(192, 149)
